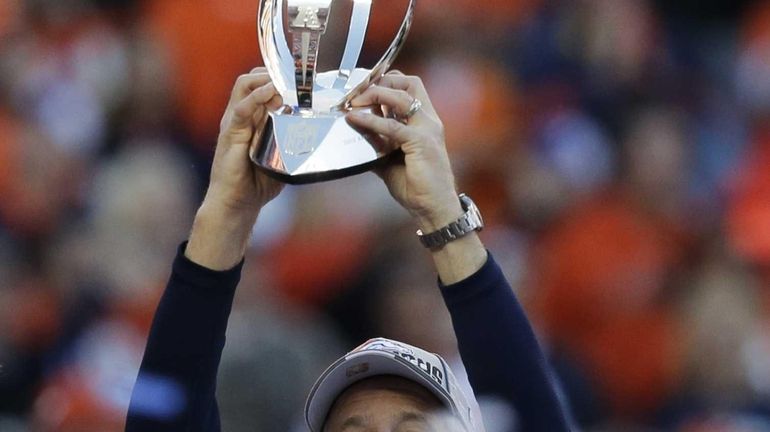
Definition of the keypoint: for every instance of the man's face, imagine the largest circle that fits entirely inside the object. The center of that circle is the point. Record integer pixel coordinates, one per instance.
(389, 404)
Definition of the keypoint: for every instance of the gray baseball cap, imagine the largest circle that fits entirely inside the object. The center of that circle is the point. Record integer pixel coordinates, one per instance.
(382, 356)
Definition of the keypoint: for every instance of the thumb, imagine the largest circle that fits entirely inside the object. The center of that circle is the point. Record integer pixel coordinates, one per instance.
(244, 111)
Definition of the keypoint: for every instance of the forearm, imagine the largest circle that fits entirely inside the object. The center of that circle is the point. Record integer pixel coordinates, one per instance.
(177, 380)
(219, 236)
(500, 351)
(459, 259)
(176, 384)
(188, 332)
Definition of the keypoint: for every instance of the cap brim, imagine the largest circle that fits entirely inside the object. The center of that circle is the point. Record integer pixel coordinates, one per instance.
(359, 366)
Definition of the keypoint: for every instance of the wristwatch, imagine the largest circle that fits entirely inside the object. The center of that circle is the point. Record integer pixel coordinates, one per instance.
(467, 223)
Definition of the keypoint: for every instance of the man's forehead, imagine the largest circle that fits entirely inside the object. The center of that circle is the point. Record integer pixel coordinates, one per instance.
(432, 421)
(404, 417)
(383, 401)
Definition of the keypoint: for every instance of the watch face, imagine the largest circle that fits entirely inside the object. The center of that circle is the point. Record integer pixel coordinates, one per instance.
(473, 211)
(478, 215)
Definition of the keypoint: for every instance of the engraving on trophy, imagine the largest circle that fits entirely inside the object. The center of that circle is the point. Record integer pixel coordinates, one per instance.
(352, 141)
(301, 138)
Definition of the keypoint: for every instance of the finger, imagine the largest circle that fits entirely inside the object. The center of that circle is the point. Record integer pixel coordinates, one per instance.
(379, 110)
(398, 102)
(244, 111)
(246, 84)
(377, 95)
(412, 85)
(258, 69)
(275, 103)
(395, 132)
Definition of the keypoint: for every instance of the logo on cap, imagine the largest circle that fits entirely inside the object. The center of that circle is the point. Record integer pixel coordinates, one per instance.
(384, 345)
(407, 353)
(431, 370)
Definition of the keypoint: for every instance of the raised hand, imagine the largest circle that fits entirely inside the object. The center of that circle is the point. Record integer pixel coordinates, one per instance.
(235, 183)
(423, 183)
(237, 190)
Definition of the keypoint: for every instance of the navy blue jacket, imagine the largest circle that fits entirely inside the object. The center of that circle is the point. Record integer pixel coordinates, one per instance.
(175, 389)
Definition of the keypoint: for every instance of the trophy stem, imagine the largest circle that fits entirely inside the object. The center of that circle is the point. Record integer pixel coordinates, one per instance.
(307, 22)
(305, 47)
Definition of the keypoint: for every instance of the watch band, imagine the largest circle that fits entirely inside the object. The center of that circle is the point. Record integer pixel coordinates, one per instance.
(469, 222)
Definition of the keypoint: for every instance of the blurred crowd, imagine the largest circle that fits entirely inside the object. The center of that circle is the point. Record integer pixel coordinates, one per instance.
(619, 151)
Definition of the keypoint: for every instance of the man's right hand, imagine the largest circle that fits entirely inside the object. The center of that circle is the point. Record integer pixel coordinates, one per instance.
(237, 191)
(235, 183)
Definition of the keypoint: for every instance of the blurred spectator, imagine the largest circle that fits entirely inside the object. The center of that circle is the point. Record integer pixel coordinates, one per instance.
(618, 39)
(726, 346)
(607, 306)
(753, 68)
(204, 64)
(92, 392)
(749, 217)
(34, 199)
(603, 305)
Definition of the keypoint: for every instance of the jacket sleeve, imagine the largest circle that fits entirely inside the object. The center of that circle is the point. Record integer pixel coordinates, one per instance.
(175, 388)
(499, 349)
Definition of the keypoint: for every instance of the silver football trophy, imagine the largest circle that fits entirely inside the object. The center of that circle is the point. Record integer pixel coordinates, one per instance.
(308, 140)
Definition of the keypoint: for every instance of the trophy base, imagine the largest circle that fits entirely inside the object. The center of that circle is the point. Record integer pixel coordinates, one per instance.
(301, 149)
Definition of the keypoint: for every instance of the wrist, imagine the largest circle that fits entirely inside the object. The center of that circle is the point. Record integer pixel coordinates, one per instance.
(459, 259)
(224, 219)
(234, 204)
(219, 236)
(234, 213)
(439, 215)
